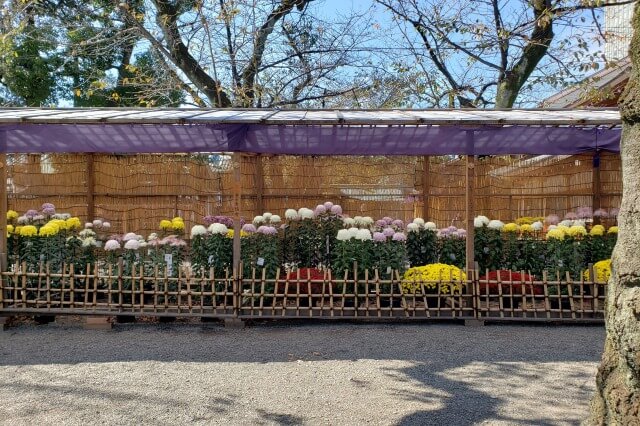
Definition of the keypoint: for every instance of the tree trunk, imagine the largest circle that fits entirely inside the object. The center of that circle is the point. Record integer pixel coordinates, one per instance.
(617, 398)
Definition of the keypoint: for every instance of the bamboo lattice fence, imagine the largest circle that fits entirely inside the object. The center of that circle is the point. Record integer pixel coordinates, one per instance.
(101, 290)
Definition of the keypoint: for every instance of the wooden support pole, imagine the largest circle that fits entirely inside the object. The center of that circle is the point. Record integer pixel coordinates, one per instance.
(470, 202)
(237, 208)
(426, 188)
(259, 181)
(91, 206)
(3, 209)
(596, 202)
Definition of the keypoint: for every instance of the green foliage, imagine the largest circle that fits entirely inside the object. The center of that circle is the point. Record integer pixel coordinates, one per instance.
(389, 256)
(488, 248)
(422, 247)
(452, 251)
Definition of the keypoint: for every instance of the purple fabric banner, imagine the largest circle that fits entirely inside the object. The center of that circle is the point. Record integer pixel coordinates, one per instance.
(305, 140)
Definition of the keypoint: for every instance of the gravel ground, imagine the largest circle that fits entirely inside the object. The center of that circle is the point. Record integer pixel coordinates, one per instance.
(343, 374)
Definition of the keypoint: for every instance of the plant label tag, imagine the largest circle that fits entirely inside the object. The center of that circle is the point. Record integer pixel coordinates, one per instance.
(42, 258)
(388, 269)
(137, 256)
(98, 244)
(260, 261)
(210, 259)
(169, 269)
(149, 252)
(168, 257)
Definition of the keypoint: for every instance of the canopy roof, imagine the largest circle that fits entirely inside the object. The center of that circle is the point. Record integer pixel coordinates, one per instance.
(309, 132)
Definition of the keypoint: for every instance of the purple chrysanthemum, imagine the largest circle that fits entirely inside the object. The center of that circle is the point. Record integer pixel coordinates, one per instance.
(388, 232)
(336, 209)
(267, 230)
(399, 236)
(570, 216)
(388, 220)
(601, 213)
(381, 223)
(320, 209)
(379, 237)
(208, 220)
(398, 224)
(31, 213)
(249, 227)
(328, 205)
(584, 212)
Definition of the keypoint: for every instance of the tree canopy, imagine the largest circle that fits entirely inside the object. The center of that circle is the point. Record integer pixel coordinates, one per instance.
(291, 53)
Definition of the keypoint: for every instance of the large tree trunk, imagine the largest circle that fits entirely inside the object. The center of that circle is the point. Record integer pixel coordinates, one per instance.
(617, 398)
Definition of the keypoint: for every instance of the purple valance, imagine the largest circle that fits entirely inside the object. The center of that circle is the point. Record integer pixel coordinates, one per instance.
(307, 139)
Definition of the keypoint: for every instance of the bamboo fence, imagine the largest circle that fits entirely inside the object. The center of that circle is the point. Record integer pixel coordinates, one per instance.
(105, 290)
(135, 192)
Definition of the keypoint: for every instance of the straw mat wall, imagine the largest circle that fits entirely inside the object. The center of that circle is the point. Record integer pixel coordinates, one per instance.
(135, 192)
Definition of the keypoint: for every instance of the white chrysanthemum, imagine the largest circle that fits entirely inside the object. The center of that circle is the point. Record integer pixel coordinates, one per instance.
(367, 221)
(430, 225)
(358, 219)
(88, 225)
(291, 214)
(86, 233)
(152, 236)
(143, 244)
(353, 232)
(568, 223)
(305, 213)
(579, 222)
(480, 221)
(198, 230)
(275, 219)
(267, 215)
(363, 234)
(343, 235)
(258, 220)
(349, 221)
(97, 223)
(537, 226)
(88, 242)
(130, 236)
(132, 245)
(106, 225)
(495, 224)
(218, 228)
(552, 227)
(413, 227)
(418, 221)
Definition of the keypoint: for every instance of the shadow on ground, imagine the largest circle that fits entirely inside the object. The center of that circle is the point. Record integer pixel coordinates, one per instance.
(436, 354)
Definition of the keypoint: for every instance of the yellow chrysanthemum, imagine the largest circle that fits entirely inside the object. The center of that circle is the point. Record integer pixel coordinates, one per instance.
(556, 234)
(48, 230)
(526, 228)
(12, 215)
(177, 218)
(613, 230)
(597, 230)
(10, 230)
(73, 223)
(165, 225)
(28, 231)
(61, 224)
(577, 231)
(564, 229)
(510, 227)
(17, 230)
(602, 271)
(177, 224)
(431, 275)
(242, 233)
(528, 220)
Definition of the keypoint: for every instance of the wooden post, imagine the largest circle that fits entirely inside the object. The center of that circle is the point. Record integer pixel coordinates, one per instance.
(426, 188)
(91, 206)
(3, 210)
(259, 181)
(470, 203)
(237, 198)
(596, 201)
